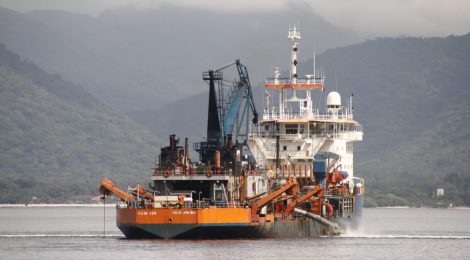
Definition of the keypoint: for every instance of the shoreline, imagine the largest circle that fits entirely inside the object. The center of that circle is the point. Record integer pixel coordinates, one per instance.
(408, 207)
(113, 204)
(59, 205)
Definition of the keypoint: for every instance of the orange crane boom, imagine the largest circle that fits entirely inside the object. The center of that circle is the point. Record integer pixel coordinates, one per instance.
(290, 185)
(107, 187)
(317, 190)
(143, 193)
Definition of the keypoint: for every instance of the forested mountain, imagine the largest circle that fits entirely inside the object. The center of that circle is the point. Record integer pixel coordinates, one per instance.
(57, 141)
(410, 94)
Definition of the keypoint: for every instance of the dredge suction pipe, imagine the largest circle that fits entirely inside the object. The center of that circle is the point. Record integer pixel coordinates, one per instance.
(107, 187)
(335, 228)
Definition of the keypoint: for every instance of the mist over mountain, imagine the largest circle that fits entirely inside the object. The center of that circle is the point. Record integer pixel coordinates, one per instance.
(57, 141)
(138, 59)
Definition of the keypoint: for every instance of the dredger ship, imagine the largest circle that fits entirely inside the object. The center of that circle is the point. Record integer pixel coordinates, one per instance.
(286, 174)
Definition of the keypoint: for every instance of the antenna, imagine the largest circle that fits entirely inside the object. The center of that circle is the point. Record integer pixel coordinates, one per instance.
(294, 35)
(336, 81)
(351, 109)
(314, 72)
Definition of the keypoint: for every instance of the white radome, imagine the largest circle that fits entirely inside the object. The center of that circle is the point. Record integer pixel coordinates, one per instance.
(333, 99)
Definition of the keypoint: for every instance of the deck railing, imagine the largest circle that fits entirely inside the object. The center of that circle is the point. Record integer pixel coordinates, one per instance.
(287, 115)
(207, 173)
(341, 134)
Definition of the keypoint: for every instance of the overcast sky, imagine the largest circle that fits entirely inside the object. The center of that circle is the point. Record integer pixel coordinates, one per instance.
(376, 17)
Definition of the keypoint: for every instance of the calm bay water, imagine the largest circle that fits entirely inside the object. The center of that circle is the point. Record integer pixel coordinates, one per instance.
(77, 233)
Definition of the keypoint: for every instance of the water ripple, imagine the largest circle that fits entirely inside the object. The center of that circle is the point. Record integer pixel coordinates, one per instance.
(60, 235)
(404, 237)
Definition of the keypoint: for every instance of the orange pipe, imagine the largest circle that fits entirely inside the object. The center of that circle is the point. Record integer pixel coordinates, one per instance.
(217, 160)
(107, 187)
(311, 172)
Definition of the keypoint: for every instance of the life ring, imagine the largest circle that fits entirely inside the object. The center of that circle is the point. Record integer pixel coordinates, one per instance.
(166, 174)
(329, 210)
(181, 199)
(209, 173)
(191, 172)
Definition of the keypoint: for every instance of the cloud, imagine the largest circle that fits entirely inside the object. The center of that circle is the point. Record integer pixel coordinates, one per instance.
(97, 6)
(374, 17)
(397, 17)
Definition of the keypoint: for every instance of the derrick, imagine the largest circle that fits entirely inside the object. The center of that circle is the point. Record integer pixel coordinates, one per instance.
(228, 116)
(316, 191)
(291, 186)
(107, 187)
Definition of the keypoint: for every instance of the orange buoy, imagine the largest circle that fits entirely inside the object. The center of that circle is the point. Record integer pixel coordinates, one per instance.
(166, 174)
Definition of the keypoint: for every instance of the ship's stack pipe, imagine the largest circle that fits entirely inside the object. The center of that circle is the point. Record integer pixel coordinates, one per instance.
(217, 160)
(172, 142)
(186, 149)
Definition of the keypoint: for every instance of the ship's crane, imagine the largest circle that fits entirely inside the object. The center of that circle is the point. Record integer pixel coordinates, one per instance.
(291, 186)
(241, 91)
(316, 191)
(228, 113)
(140, 191)
(107, 187)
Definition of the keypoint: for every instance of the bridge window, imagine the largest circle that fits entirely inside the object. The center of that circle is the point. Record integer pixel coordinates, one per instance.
(291, 129)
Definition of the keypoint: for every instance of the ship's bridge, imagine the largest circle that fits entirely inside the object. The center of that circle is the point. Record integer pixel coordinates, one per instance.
(293, 130)
(322, 126)
(301, 138)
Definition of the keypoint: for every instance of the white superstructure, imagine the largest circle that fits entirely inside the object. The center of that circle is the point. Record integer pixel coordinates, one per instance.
(294, 137)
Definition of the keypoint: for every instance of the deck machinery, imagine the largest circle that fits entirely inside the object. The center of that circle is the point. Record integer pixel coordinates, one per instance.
(289, 174)
(228, 115)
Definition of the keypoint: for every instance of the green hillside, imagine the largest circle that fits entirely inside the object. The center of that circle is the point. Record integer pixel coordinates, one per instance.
(410, 94)
(410, 172)
(57, 141)
(412, 97)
